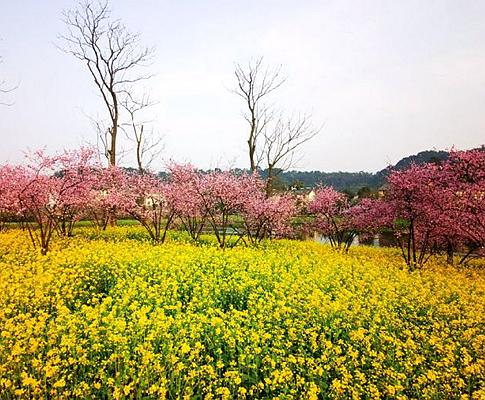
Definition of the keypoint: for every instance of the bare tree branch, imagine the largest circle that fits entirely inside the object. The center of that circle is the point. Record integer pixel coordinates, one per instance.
(102, 135)
(254, 83)
(147, 145)
(112, 55)
(281, 142)
(272, 139)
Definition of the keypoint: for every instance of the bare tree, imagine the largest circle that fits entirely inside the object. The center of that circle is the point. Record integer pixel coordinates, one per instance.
(113, 56)
(272, 139)
(281, 142)
(254, 83)
(147, 145)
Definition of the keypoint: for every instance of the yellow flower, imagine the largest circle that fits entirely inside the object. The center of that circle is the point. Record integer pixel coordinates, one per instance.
(185, 348)
(60, 383)
(29, 381)
(107, 308)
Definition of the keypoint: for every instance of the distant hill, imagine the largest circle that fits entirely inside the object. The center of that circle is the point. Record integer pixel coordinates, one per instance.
(353, 181)
(423, 157)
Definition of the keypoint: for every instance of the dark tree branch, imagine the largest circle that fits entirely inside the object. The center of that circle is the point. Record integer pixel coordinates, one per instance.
(112, 55)
(281, 142)
(254, 84)
(272, 139)
(148, 146)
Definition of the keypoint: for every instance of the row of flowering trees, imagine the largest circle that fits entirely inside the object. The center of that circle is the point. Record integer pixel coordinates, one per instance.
(230, 205)
(436, 208)
(430, 208)
(51, 193)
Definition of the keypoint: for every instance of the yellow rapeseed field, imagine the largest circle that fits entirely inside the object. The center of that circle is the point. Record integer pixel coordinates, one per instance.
(112, 316)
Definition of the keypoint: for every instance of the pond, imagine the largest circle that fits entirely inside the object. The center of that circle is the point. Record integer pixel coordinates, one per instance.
(378, 240)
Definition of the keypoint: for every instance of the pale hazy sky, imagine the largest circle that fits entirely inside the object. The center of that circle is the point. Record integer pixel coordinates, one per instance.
(386, 78)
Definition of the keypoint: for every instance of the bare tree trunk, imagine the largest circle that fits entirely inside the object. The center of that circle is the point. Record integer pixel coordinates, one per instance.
(252, 151)
(138, 152)
(269, 181)
(112, 150)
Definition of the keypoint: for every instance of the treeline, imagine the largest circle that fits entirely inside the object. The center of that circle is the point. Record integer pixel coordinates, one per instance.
(355, 181)
(341, 181)
(348, 182)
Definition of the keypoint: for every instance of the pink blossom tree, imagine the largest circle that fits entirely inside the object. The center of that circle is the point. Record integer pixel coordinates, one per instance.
(413, 195)
(51, 192)
(223, 196)
(462, 183)
(267, 217)
(11, 181)
(188, 201)
(37, 206)
(75, 170)
(371, 216)
(150, 201)
(331, 217)
(423, 209)
(105, 196)
(432, 208)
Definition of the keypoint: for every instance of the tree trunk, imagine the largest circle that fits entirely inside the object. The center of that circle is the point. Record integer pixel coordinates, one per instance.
(269, 182)
(139, 140)
(112, 150)
(252, 146)
(449, 253)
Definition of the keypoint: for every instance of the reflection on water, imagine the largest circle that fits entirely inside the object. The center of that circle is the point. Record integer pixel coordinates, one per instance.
(379, 240)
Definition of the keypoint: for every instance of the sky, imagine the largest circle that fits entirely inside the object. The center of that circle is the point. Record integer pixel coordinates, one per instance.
(384, 79)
